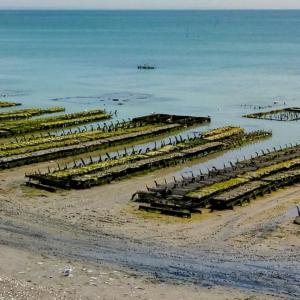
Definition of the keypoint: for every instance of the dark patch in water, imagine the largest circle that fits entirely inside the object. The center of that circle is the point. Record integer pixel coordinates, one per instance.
(83, 99)
(114, 97)
(118, 98)
(125, 96)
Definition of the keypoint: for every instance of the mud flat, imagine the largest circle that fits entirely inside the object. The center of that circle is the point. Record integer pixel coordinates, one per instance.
(224, 188)
(251, 251)
(86, 175)
(34, 276)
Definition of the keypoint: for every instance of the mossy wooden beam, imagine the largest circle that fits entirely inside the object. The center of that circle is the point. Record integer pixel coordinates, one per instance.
(28, 113)
(84, 175)
(284, 114)
(26, 151)
(229, 186)
(12, 128)
(89, 140)
(4, 104)
(256, 188)
(216, 188)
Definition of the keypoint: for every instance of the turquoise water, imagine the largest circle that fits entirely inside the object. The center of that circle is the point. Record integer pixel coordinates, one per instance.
(208, 63)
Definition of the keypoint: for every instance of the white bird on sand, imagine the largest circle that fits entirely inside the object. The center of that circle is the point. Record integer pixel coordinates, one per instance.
(67, 271)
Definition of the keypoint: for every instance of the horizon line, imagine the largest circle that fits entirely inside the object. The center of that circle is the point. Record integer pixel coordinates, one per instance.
(143, 9)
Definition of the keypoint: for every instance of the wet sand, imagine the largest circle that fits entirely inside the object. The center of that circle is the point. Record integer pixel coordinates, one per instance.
(117, 252)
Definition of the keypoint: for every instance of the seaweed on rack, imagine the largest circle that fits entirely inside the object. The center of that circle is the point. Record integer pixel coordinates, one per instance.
(28, 113)
(8, 104)
(83, 174)
(11, 128)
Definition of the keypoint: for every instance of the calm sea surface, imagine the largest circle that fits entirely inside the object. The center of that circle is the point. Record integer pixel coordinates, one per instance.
(208, 63)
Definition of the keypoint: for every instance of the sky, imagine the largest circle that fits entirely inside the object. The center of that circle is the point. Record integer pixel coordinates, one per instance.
(151, 4)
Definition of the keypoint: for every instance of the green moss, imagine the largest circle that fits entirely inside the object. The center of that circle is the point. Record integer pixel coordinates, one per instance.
(217, 187)
(223, 133)
(60, 121)
(272, 169)
(28, 113)
(8, 104)
(43, 143)
(95, 172)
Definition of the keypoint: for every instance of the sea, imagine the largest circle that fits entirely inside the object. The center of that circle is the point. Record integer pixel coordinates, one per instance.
(221, 64)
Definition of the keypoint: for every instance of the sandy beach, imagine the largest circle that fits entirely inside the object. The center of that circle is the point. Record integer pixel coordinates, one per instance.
(117, 252)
